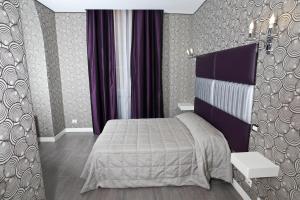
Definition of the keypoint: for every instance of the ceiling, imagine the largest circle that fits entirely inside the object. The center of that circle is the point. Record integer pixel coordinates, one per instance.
(169, 6)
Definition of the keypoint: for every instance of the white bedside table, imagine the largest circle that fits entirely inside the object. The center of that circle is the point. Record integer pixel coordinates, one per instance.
(186, 107)
(254, 165)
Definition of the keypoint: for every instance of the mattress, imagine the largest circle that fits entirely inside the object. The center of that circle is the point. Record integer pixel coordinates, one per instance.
(184, 150)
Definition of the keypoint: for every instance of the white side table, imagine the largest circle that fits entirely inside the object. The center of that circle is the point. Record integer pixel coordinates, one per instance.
(254, 165)
(186, 107)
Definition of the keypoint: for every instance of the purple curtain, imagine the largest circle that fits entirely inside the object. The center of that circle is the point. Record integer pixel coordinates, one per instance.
(146, 64)
(102, 67)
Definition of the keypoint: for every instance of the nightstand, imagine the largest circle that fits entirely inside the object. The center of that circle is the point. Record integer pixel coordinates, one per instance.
(254, 165)
(186, 107)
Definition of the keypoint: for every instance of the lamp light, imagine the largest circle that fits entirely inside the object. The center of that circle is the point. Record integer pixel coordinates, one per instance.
(251, 29)
(272, 22)
(190, 52)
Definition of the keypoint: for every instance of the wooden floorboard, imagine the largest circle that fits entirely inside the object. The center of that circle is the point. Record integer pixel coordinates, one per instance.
(63, 161)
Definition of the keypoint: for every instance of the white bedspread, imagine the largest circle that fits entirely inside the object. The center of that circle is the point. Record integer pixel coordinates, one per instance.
(185, 150)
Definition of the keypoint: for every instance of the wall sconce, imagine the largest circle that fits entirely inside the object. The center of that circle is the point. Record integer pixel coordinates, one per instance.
(190, 53)
(251, 29)
(270, 37)
(270, 34)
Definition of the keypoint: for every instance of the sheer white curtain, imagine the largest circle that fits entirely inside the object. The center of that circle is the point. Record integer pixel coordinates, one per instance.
(123, 37)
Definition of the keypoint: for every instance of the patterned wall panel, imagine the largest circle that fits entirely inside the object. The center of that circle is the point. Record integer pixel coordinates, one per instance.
(35, 50)
(178, 69)
(47, 19)
(165, 65)
(20, 168)
(75, 86)
(219, 25)
(71, 39)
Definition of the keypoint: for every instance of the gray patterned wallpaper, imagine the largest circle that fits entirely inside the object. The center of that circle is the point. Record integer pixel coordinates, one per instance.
(71, 40)
(223, 24)
(35, 50)
(75, 88)
(178, 69)
(47, 20)
(20, 168)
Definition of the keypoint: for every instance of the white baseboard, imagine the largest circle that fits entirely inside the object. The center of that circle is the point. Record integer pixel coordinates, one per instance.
(63, 132)
(78, 130)
(46, 139)
(58, 136)
(240, 190)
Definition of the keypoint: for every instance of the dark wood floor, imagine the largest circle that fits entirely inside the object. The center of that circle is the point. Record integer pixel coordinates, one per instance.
(64, 160)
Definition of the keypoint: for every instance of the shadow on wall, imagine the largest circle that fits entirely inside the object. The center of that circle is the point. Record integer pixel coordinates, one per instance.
(37, 126)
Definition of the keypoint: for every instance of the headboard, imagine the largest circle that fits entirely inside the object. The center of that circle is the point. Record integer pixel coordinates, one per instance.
(224, 92)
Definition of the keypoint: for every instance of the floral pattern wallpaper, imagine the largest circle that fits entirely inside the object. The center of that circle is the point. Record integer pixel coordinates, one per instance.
(35, 51)
(219, 25)
(47, 20)
(71, 32)
(20, 168)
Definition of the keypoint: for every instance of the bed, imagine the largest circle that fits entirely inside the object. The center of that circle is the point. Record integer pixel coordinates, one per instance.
(190, 148)
(157, 152)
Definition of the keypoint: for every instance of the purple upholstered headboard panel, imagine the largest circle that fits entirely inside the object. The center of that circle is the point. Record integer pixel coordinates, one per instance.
(237, 64)
(236, 132)
(227, 68)
(208, 61)
(203, 109)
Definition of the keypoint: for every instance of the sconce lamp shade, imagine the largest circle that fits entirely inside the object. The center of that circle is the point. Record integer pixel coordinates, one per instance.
(190, 52)
(272, 21)
(251, 27)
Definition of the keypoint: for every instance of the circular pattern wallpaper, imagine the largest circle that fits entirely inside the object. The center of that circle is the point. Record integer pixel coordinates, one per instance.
(224, 24)
(20, 168)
